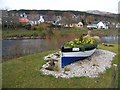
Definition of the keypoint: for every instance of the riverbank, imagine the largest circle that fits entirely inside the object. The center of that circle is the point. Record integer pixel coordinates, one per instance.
(24, 72)
(26, 34)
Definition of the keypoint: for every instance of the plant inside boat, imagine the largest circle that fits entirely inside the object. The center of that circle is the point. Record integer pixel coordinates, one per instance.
(80, 42)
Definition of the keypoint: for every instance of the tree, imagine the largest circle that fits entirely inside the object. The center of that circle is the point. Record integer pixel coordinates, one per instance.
(67, 17)
(83, 21)
(90, 19)
(50, 15)
(14, 19)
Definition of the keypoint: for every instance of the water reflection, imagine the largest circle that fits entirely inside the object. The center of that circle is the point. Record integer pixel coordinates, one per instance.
(110, 39)
(16, 48)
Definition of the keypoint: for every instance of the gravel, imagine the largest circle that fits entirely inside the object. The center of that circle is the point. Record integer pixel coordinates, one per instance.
(90, 67)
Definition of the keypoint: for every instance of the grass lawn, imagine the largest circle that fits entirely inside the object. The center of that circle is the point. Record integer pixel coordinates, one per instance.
(24, 72)
(18, 33)
(62, 32)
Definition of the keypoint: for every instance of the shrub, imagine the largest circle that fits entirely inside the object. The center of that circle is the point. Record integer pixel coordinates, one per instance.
(35, 34)
(41, 27)
(34, 27)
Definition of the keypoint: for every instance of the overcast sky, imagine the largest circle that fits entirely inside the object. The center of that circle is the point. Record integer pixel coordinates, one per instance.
(79, 5)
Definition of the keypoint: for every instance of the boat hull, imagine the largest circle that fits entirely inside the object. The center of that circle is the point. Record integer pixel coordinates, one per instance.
(70, 57)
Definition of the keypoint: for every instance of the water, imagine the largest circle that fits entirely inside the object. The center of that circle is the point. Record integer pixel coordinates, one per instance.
(110, 39)
(17, 48)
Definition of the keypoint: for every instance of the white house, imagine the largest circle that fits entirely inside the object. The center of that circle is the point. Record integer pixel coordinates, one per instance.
(98, 25)
(41, 19)
(102, 25)
(36, 20)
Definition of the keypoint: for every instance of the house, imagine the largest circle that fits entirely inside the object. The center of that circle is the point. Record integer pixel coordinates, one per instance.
(23, 15)
(41, 20)
(102, 25)
(71, 24)
(118, 26)
(49, 19)
(23, 20)
(80, 24)
(34, 18)
(66, 25)
(99, 25)
(76, 25)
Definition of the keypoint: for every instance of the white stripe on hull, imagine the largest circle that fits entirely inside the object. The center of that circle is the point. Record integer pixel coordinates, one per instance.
(78, 54)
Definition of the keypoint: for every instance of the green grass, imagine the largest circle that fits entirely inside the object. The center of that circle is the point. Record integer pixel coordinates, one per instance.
(62, 32)
(24, 72)
(18, 33)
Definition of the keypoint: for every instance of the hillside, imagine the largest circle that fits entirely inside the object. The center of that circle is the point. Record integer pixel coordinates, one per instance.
(96, 14)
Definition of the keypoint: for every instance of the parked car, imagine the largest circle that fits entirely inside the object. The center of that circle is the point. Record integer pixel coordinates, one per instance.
(92, 26)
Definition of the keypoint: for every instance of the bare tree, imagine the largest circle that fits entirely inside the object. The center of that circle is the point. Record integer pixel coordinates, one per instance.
(67, 17)
(50, 15)
(90, 19)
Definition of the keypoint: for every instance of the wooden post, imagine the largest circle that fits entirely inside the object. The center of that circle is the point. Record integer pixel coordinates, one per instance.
(60, 62)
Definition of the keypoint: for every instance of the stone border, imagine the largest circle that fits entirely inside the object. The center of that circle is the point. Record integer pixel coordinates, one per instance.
(90, 67)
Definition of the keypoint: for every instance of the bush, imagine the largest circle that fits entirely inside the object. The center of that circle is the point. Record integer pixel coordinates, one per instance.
(41, 27)
(34, 27)
(35, 34)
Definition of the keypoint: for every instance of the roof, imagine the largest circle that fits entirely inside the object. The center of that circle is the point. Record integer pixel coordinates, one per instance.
(95, 22)
(23, 20)
(46, 18)
(104, 22)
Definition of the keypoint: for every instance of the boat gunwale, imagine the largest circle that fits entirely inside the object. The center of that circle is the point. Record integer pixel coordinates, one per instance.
(87, 47)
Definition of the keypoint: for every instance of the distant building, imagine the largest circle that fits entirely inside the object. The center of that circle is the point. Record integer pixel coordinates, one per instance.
(76, 25)
(33, 18)
(49, 20)
(102, 25)
(118, 26)
(41, 20)
(99, 25)
(22, 20)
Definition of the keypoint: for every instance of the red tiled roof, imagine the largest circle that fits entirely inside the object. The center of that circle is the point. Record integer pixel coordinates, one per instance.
(23, 20)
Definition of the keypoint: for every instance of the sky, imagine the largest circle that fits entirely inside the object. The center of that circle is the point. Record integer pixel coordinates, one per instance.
(77, 5)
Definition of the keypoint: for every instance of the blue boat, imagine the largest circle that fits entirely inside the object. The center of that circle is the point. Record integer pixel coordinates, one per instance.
(70, 55)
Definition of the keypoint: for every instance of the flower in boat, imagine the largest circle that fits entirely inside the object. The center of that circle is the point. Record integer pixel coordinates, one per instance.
(80, 42)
